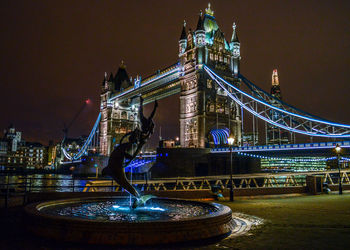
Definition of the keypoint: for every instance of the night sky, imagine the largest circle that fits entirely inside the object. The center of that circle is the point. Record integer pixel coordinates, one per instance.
(54, 55)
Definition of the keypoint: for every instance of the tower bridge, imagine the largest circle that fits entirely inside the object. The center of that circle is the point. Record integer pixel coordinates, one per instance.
(207, 76)
(204, 107)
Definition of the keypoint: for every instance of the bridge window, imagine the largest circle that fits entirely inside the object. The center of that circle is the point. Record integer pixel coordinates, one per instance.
(211, 108)
(211, 56)
(209, 83)
(124, 115)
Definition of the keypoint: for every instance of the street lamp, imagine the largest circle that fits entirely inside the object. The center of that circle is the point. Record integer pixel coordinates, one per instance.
(96, 167)
(230, 142)
(338, 151)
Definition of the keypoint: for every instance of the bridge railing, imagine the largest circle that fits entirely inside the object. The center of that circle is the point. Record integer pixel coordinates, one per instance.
(300, 146)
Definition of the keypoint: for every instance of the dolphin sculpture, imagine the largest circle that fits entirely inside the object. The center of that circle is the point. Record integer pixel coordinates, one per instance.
(123, 154)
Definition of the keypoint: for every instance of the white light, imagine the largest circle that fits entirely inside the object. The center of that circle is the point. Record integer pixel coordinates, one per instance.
(338, 148)
(116, 105)
(231, 140)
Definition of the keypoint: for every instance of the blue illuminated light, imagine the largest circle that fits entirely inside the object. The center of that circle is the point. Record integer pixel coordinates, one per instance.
(87, 142)
(215, 77)
(220, 135)
(276, 108)
(154, 209)
(315, 159)
(121, 208)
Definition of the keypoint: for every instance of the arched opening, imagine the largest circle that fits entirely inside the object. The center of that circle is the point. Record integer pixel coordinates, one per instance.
(218, 137)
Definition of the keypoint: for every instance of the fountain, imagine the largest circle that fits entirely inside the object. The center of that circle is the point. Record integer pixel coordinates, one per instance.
(110, 220)
(147, 220)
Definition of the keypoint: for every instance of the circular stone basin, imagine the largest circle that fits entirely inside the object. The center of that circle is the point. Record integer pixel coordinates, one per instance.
(111, 220)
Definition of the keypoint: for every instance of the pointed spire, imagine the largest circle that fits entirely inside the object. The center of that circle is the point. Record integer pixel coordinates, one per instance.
(234, 37)
(122, 65)
(200, 22)
(209, 11)
(104, 79)
(111, 77)
(183, 33)
(275, 81)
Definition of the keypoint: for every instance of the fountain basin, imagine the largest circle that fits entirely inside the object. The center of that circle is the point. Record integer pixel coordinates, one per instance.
(107, 220)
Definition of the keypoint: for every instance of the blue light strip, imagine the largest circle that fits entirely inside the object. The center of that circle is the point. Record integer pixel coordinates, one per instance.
(289, 159)
(220, 135)
(212, 75)
(303, 146)
(87, 142)
(276, 108)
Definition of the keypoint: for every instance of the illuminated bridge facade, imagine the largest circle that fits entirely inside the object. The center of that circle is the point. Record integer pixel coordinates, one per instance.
(206, 112)
(208, 80)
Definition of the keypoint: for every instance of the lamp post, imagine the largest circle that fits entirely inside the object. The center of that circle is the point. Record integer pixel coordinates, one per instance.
(230, 142)
(338, 150)
(96, 167)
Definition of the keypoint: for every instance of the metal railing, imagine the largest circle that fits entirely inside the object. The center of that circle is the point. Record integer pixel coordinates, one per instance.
(240, 182)
(31, 184)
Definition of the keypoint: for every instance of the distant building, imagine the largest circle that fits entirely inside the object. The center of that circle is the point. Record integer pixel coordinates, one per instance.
(34, 154)
(3, 147)
(13, 138)
(16, 153)
(51, 154)
(167, 143)
(275, 135)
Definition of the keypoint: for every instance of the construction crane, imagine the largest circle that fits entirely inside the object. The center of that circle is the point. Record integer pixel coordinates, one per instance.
(66, 128)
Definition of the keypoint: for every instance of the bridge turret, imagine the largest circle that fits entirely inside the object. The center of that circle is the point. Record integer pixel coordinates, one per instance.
(183, 40)
(200, 32)
(236, 51)
(121, 79)
(104, 82)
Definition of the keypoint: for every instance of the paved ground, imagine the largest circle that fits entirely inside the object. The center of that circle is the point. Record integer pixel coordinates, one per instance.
(304, 222)
(290, 222)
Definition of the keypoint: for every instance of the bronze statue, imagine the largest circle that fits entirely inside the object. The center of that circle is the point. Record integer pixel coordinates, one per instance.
(124, 153)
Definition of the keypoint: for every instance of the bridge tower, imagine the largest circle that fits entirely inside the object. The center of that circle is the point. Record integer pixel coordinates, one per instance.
(204, 107)
(117, 119)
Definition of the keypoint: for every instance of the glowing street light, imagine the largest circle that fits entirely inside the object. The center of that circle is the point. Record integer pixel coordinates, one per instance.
(338, 151)
(231, 140)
